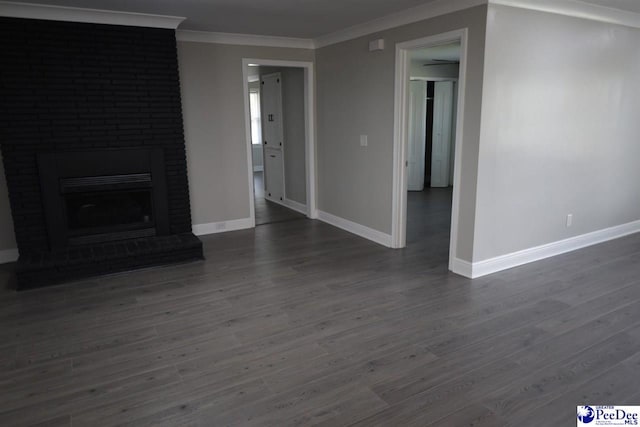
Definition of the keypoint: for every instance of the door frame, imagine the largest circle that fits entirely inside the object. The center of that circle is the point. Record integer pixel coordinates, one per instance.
(310, 130)
(400, 139)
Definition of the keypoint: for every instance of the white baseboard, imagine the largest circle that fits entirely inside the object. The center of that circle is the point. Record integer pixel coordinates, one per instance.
(8, 255)
(355, 228)
(258, 168)
(461, 267)
(222, 226)
(296, 206)
(504, 262)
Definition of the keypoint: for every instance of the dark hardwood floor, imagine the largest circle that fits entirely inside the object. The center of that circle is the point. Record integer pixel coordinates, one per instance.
(268, 212)
(300, 323)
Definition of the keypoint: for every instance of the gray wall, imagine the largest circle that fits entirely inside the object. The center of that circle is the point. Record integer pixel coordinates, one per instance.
(294, 138)
(214, 121)
(434, 71)
(7, 236)
(559, 130)
(356, 96)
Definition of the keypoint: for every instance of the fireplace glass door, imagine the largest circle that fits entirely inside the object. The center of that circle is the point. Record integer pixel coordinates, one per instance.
(108, 211)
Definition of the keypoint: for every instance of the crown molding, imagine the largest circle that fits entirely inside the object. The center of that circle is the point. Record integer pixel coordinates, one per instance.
(93, 16)
(407, 16)
(243, 39)
(577, 9)
(574, 8)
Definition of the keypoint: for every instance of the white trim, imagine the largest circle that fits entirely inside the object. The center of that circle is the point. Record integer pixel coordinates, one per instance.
(355, 228)
(399, 185)
(461, 267)
(400, 135)
(248, 137)
(296, 206)
(434, 79)
(404, 17)
(310, 148)
(93, 16)
(258, 168)
(222, 226)
(8, 255)
(504, 262)
(243, 39)
(310, 151)
(577, 9)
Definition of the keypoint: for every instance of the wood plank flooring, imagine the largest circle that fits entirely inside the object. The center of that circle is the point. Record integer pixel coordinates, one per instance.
(268, 212)
(299, 323)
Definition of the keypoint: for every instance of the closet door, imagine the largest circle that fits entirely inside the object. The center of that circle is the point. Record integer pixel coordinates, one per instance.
(271, 100)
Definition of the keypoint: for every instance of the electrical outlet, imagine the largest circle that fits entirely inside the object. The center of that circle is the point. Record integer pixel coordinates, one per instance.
(569, 220)
(364, 140)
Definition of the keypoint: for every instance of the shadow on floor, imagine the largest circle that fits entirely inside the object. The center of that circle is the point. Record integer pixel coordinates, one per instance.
(268, 212)
(429, 217)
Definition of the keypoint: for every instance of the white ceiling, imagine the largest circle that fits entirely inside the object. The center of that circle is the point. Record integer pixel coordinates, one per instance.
(289, 18)
(626, 5)
(307, 19)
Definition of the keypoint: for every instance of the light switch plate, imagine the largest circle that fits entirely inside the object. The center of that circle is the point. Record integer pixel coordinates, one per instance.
(364, 140)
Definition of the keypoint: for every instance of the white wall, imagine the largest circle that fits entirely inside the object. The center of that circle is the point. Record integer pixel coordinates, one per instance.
(355, 90)
(213, 112)
(559, 130)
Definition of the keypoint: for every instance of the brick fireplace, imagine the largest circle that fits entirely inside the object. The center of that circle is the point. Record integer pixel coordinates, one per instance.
(93, 148)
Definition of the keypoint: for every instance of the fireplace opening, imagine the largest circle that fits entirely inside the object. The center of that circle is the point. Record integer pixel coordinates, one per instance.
(102, 196)
(112, 207)
(89, 213)
(104, 208)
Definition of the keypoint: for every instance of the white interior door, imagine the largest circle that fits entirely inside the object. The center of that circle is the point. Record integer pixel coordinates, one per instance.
(442, 124)
(271, 102)
(417, 134)
(273, 175)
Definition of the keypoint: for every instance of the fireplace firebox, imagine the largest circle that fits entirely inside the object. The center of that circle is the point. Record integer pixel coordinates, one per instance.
(97, 213)
(103, 195)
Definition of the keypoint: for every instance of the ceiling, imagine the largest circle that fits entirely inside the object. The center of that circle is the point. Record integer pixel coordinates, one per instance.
(307, 19)
(626, 5)
(288, 18)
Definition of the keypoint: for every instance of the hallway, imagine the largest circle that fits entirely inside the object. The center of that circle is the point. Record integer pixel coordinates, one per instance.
(268, 212)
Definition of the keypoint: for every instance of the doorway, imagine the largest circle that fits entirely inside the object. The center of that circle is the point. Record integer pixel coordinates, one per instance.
(278, 99)
(430, 81)
(432, 126)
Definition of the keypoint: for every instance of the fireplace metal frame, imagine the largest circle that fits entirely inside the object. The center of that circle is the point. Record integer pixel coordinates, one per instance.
(107, 169)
